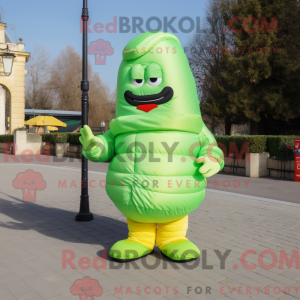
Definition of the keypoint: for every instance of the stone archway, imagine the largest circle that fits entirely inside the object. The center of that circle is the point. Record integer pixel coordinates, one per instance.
(5, 109)
(14, 85)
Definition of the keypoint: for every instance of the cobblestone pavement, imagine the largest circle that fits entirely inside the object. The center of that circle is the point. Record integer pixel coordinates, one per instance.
(34, 237)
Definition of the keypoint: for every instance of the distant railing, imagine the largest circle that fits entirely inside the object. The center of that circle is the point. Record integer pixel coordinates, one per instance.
(281, 170)
(96, 129)
(234, 166)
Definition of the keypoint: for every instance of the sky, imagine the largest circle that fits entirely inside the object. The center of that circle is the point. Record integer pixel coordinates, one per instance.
(55, 24)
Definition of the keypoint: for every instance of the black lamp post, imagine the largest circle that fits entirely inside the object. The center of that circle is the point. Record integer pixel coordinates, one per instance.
(84, 212)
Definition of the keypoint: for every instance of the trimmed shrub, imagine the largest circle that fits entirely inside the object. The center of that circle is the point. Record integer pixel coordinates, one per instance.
(49, 137)
(275, 145)
(46, 137)
(7, 138)
(256, 143)
(274, 142)
(73, 137)
(285, 152)
(60, 138)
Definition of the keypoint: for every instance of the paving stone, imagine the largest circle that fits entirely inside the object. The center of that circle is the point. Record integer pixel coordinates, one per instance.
(33, 236)
(294, 276)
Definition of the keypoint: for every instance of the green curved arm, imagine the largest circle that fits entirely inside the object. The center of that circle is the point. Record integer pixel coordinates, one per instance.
(105, 149)
(210, 147)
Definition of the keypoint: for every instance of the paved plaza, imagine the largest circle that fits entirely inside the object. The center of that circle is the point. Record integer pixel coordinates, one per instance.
(42, 247)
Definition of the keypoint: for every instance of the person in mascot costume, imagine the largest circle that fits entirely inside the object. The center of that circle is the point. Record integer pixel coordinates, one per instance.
(161, 150)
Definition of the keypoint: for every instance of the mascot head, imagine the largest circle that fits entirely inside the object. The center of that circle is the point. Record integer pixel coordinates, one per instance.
(155, 78)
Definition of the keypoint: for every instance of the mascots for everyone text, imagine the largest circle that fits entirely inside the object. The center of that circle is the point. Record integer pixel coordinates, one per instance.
(162, 151)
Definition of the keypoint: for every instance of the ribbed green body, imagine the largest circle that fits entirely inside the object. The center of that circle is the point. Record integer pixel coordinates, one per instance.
(148, 184)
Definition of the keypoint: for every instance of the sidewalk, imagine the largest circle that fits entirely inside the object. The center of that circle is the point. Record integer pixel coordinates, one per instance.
(34, 235)
(271, 188)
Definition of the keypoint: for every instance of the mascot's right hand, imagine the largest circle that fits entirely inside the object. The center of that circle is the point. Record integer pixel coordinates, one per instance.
(87, 139)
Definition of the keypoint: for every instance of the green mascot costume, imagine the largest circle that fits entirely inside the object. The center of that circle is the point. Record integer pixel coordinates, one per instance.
(161, 150)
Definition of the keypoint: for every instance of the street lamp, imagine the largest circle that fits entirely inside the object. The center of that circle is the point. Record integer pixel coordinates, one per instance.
(102, 128)
(84, 212)
(7, 62)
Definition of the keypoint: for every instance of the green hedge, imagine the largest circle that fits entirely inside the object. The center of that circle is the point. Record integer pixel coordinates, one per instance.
(7, 138)
(73, 137)
(257, 143)
(274, 143)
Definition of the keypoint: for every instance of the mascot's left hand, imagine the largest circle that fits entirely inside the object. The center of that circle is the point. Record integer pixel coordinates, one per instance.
(210, 166)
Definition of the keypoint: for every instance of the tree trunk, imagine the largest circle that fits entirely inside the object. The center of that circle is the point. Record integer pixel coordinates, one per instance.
(227, 127)
(253, 127)
(213, 125)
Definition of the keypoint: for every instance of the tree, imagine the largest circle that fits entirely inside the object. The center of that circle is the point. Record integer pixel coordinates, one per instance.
(112, 105)
(205, 57)
(264, 84)
(65, 78)
(37, 93)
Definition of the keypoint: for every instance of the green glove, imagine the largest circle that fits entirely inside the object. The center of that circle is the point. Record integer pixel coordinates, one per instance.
(88, 140)
(210, 166)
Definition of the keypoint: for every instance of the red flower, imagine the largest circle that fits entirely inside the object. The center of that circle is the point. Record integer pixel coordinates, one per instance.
(288, 147)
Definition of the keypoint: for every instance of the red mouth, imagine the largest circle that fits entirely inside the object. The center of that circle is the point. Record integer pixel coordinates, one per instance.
(147, 107)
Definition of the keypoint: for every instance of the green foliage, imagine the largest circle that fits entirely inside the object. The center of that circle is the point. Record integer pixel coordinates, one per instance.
(256, 143)
(274, 143)
(7, 138)
(20, 129)
(60, 138)
(50, 137)
(46, 137)
(261, 79)
(72, 137)
(285, 151)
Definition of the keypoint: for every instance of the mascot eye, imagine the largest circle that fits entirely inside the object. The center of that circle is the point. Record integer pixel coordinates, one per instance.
(90, 288)
(137, 82)
(153, 81)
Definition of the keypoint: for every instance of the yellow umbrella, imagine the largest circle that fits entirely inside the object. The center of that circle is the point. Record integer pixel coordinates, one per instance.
(52, 128)
(45, 121)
